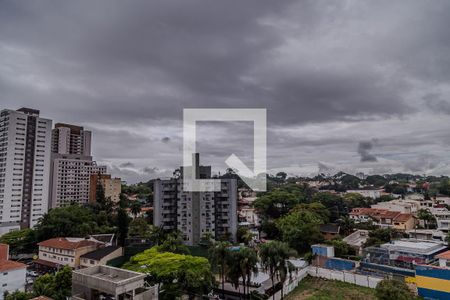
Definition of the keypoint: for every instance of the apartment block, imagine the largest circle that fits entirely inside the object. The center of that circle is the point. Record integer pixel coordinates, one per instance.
(195, 214)
(71, 139)
(111, 186)
(25, 150)
(71, 165)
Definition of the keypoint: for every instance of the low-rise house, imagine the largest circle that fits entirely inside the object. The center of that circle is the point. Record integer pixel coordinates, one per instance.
(100, 256)
(329, 231)
(442, 216)
(357, 239)
(400, 205)
(250, 216)
(444, 259)
(404, 222)
(368, 192)
(104, 282)
(12, 273)
(403, 253)
(57, 252)
(426, 234)
(384, 218)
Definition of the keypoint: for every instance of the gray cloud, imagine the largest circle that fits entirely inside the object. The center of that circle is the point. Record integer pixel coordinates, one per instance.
(127, 165)
(165, 140)
(364, 148)
(329, 73)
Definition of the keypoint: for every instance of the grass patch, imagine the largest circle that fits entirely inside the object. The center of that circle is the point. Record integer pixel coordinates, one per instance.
(312, 288)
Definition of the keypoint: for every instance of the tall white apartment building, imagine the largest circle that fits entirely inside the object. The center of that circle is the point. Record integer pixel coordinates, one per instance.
(71, 165)
(195, 214)
(25, 150)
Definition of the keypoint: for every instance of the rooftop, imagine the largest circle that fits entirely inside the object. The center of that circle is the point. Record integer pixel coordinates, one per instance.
(329, 228)
(414, 246)
(69, 243)
(110, 274)
(444, 255)
(9, 265)
(100, 253)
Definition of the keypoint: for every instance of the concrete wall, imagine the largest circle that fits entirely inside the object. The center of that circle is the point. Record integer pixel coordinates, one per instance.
(13, 280)
(358, 279)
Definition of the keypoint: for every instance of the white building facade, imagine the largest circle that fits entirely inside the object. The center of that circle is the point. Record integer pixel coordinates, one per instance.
(25, 150)
(71, 165)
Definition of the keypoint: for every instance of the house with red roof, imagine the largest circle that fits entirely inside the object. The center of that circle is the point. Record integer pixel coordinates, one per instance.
(64, 251)
(12, 273)
(384, 218)
(444, 259)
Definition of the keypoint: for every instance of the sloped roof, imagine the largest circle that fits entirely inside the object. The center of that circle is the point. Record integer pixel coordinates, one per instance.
(9, 265)
(444, 255)
(329, 228)
(68, 243)
(100, 253)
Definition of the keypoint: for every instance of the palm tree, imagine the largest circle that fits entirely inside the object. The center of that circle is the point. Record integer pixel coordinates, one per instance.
(219, 253)
(135, 208)
(233, 270)
(274, 256)
(248, 260)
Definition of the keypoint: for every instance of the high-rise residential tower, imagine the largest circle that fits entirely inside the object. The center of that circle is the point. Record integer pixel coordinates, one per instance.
(71, 165)
(71, 139)
(195, 214)
(25, 150)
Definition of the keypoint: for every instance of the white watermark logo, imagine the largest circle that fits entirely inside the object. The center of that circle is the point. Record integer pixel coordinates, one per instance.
(255, 179)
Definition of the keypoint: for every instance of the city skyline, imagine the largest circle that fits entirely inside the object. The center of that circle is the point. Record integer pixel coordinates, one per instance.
(352, 86)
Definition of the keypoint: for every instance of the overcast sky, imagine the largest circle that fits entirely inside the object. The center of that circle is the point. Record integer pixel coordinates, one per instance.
(348, 85)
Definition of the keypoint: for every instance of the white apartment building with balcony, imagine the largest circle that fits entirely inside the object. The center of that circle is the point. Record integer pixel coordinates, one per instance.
(25, 150)
(195, 214)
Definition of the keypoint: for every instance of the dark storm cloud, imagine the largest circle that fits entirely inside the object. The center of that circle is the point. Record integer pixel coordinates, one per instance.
(125, 68)
(165, 140)
(127, 165)
(364, 148)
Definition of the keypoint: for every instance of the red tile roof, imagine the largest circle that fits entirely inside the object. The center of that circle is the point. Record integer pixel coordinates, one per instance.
(444, 255)
(403, 217)
(9, 265)
(67, 243)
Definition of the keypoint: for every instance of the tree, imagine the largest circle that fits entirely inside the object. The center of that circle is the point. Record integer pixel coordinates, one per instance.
(70, 221)
(139, 228)
(123, 222)
(300, 228)
(428, 218)
(63, 283)
(341, 248)
(136, 208)
(389, 289)
(173, 242)
(346, 225)
(243, 235)
(17, 295)
(44, 286)
(57, 286)
(447, 238)
(248, 260)
(20, 241)
(186, 273)
(380, 236)
(275, 204)
(218, 255)
(334, 203)
(242, 263)
(274, 256)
